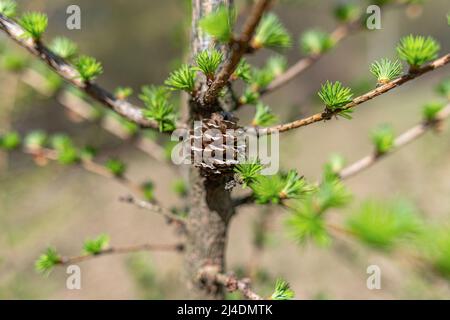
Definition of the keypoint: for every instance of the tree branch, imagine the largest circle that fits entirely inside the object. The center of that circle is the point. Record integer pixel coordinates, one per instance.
(41, 154)
(122, 250)
(402, 140)
(69, 73)
(340, 33)
(238, 48)
(210, 276)
(84, 110)
(327, 115)
(171, 218)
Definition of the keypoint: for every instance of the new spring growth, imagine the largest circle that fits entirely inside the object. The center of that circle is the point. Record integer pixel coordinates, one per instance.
(383, 225)
(282, 291)
(8, 8)
(417, 50)
(383, 139)
(34, 24)
(88, 68)
(271, 34)
(219, 24)
(335, 96)
(386, 70)
(96, 245)
(315, 42)
(208, 61)
(64, 47)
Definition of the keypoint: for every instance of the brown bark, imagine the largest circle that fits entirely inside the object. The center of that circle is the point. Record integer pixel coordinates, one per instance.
(210, 203)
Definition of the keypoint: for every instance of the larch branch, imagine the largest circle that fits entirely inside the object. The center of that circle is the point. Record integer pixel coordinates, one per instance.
(153, 207)
(327, 115)
(402, 140)
(122, 250)
(69, 73)
(84, 110)
(238, 49)
(49, 154)
(340, 33)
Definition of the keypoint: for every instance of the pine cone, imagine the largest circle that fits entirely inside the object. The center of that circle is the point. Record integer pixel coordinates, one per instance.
(212, 147)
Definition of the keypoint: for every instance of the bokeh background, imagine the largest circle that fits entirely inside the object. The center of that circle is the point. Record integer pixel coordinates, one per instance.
(138, 42)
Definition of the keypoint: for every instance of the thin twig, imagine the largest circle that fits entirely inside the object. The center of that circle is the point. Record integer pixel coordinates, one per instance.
(407, 137)
(210, 275)
(340, 33)
(122, 250)
(69, 73)
(49, 154)
(238, 48)
(84, 110)
(327, 115)
(171, 218)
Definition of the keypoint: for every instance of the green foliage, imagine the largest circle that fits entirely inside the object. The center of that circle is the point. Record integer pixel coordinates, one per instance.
(180, 188)
(88, 153)
(66, 151)
(271, 34)
(444, 88)
(116, 167)
(88, 68)
(276, 65)
(8, 8)
(250, 96)
(282, 291)
(10, 141)
(153, 95)
(182, 79)
(248, 171)
(122, 93)
(347, 12)
(315, 42)
(14, 62)
(97, 245)
(219, 24)
(34, 24)
(431, 110)
(261, 78)
(267, 189)
(435, 244)
(148, 189)
(64, 47)
(417, 50)
(306, 224)
(208, 61)
(45, 263)
(275, 189)
(158, 108)
(333, 167)
(335, 96)
(35, 140)
(264, 116)
(383, 139)
(163, 113)
(294, 187)
(386, 70)
(307, 221)
(331, 194)
(243, 71)
(382, 225)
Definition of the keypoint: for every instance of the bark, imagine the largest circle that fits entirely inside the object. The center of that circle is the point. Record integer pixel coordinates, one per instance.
(210, 203)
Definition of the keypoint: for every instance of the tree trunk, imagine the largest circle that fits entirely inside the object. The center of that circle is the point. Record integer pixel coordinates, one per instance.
(210, 202)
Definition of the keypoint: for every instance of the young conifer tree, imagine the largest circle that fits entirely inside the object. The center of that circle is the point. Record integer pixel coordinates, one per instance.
(209, 81)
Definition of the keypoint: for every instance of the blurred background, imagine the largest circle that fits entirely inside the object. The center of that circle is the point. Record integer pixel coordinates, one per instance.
(139, 42)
